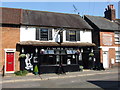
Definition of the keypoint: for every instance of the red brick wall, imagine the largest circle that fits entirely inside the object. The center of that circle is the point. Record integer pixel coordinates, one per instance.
(10, 36)
(111, 56)
(111, 51)
(106, 38)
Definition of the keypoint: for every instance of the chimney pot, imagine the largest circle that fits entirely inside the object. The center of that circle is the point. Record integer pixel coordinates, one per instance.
(110, 12)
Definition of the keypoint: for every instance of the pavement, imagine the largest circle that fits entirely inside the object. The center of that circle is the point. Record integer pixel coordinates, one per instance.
(31, 77)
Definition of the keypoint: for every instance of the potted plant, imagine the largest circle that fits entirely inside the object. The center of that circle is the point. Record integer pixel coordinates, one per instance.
(36, 70)
(22, 56)
(81, 68)
(22, 61)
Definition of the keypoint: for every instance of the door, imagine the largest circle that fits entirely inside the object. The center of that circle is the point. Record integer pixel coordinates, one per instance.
(9, 61)
(105, 59)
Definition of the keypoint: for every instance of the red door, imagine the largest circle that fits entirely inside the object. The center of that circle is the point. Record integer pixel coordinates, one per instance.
(9, 61)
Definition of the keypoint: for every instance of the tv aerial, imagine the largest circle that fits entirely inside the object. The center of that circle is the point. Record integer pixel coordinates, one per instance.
(75, 9)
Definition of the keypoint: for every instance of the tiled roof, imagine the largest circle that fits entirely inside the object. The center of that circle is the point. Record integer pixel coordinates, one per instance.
(42, 18)
(101, 22)
(10, 16)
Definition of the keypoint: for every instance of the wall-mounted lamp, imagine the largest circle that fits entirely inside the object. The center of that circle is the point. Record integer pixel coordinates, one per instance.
(22, 50)
(81, 50)
(36, 50)
(91, 50)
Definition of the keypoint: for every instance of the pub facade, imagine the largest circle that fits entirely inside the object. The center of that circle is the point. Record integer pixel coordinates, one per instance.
(50, 39)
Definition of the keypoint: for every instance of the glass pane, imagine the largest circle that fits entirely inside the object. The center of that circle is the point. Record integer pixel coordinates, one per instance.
(44, 34)
(51, 51)
(74, 51)
(69, 51)
(72, 35)
(63, 52)
(45, 52)
(57, 52)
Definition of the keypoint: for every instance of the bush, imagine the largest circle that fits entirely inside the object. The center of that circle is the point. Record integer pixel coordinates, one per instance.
(21, 73)
(24, 72)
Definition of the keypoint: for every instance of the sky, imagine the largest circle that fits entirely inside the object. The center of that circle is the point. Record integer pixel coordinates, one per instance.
(84, 8)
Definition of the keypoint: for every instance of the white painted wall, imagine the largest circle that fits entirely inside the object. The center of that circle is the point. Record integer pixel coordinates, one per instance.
(86, 36)
(27, 34)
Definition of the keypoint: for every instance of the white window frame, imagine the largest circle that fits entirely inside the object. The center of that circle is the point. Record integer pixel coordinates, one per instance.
(117, 37)
(117, 59)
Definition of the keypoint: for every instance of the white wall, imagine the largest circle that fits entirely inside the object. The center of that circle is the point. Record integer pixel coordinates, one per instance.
(27, 34)
(86, 36)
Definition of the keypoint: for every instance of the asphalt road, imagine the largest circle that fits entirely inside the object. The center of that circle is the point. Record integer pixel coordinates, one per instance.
(103, 81)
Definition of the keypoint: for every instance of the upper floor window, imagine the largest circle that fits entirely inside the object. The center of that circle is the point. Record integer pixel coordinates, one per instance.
(117, 56)
(43, 34)
(72, 35)
(117, 37)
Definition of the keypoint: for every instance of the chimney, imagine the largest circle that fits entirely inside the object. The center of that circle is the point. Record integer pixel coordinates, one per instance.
(110, 12)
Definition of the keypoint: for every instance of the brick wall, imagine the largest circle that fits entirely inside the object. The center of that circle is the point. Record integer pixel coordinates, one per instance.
(111, 56)
(10, 36)
(107, 39)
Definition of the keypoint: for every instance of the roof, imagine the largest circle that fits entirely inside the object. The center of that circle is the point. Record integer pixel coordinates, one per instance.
(39, 43)
(42, 18)
(118, 22)
(10, 15)
(102, 23)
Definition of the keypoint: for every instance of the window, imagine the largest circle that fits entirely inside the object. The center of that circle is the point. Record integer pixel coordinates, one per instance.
(71, 51)
(117, 37)
(72, 35)
(117, 56)
(43, 34)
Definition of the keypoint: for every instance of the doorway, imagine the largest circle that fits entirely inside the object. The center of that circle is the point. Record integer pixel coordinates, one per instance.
(9, 60)
(105, 59)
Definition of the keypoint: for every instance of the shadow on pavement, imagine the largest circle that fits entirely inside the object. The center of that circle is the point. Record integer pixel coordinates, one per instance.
(107, 84)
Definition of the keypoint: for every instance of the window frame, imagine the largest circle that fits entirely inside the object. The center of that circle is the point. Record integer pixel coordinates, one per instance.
(117, 37)
(117, 59)
(39, 34)
(68, 36)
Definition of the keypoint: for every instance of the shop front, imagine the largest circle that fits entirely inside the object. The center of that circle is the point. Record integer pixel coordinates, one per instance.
(49, 56)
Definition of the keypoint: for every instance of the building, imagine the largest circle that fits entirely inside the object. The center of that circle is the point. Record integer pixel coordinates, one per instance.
(106, 36)
(45, 39)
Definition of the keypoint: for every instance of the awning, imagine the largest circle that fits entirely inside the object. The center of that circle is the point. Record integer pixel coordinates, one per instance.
(39, 43)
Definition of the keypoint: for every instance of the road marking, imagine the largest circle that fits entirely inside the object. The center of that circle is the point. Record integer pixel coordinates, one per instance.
(58, 77)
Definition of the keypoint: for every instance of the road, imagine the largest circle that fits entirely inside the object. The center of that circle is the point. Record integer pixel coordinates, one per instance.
(108, 80)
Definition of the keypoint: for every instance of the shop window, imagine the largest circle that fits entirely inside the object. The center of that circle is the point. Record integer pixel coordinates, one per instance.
(72, 35)
(49, 52)
(48, 59)
(117, 56)
(117, 37)
(71, 51)
(72, 59)
(43, 34)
